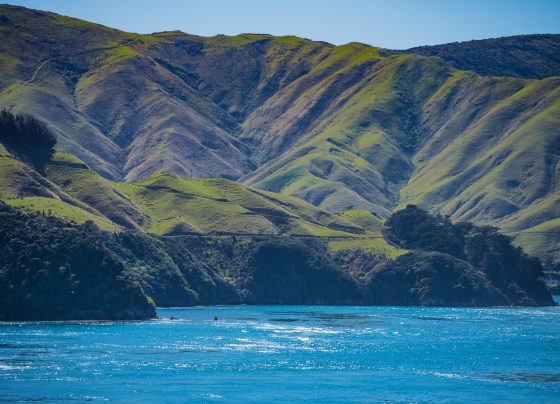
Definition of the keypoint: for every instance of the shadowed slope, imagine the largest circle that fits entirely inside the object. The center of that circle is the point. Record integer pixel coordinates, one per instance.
(526, 56)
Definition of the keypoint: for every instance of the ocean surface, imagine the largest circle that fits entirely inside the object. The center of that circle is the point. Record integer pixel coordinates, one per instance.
(289, 353)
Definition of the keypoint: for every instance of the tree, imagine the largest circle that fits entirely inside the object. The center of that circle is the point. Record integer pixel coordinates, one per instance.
(27, 137)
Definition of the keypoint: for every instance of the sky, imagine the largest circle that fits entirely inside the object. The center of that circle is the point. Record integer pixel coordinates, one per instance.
(394, 24)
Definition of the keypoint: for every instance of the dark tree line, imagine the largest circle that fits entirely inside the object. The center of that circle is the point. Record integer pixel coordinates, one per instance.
(527, 56)
(25, 131)
(55, 270)
(51, 269)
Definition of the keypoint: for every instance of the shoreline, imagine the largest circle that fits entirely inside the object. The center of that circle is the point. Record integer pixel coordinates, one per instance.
(556, 299)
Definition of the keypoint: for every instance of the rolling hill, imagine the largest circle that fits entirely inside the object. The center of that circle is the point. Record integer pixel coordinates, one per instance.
(170, 205)
(461, 129)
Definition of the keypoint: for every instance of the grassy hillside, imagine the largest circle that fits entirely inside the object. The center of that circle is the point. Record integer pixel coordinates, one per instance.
(355, 152)
(59, 209)
(170, 205)
(502, 169)
(177, 205)
(83, 184)
(344, 128)
(67, 189)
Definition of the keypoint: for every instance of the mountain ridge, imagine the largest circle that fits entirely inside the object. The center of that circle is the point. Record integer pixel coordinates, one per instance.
(343, 127)
(525, 56)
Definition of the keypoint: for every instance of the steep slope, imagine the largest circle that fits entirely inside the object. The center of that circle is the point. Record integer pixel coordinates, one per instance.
(68, 189)
(524, 56)
(83, 77)
(356, 148)
(342, 127)
(34, 47)
(502, 169)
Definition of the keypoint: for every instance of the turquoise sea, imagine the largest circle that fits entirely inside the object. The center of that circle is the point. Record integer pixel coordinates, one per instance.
(289, 354)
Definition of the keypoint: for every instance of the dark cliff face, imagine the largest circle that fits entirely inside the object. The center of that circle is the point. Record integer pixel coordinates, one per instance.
(260, 270)
(283, 270)
(279, 272)
(433, 279)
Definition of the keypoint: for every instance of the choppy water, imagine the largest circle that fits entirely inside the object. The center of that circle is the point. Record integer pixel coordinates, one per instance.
(290, 353)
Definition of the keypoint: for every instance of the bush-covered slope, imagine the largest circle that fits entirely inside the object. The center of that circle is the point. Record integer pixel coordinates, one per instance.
(482, 262)
(433, 279)
(525, 56)
(50, 270)
(55, 270)
(273, 270)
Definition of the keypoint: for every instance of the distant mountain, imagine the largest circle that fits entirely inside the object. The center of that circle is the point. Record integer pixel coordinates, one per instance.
(342, 127)
(523, 56)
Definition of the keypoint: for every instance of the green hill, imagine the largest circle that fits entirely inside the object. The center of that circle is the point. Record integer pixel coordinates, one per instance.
(170, 205)
(470, 130)
(218, 206)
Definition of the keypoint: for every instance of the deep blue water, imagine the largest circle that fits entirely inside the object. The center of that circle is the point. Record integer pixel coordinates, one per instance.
(290, 353)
